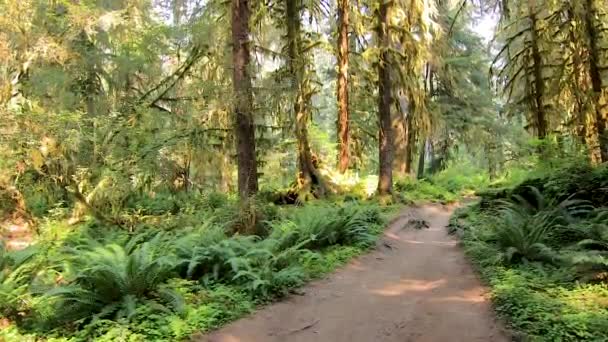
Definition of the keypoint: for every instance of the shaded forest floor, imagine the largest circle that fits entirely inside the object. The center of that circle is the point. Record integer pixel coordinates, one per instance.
(415, 286)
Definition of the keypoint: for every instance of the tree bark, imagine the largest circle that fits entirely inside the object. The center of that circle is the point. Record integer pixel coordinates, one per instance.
(489, 150)
(244, 123)
(385, 173)
(578, 89)
(410, 139)
(439, 155)
(539, 84)
(421, 158)
(399, 134)
(308, 174)
(596, 139)
(342, 91)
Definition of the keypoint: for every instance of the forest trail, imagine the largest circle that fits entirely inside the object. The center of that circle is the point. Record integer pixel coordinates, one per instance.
(415, 286)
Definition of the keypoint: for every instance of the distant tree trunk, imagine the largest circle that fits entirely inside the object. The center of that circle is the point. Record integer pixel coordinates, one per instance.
(410, 137)
(540, 120)
(430, 145)
(439, 156)
(409, 143)
(489, 150)
(579, 92)
(308, 174)
(400, 133)
(244, 124)
(385, 173)
(421, 158)
(597, 143)
(225, 172)
(342, 91)
(90, 90)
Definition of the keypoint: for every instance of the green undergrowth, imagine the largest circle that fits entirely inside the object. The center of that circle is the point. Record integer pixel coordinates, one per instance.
(542, 247)
(176, 272)
(449, 185)
(412, 190)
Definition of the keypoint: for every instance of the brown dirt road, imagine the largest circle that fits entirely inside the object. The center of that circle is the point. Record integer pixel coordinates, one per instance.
(415, 286)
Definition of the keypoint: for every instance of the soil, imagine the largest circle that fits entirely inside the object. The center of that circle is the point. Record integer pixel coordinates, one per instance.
(415, 286)
(15, 233)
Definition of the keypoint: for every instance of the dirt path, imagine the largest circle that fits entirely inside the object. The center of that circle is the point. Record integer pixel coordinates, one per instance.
(416, 286)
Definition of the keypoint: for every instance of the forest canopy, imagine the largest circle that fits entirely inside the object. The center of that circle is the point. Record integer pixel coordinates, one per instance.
(102, 98)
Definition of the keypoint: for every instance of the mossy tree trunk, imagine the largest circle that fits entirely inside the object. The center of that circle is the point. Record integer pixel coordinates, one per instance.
(385, 172)
(342, 91)
(596, 127)
(244, 123)
(539, 109)
(421, 158)
(309, 178)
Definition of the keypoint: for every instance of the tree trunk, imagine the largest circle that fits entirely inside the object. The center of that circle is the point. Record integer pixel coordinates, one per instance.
(244, 124)
(410, 137)
(597, 143)
(579, 91)
(439, 156)
(385, 173)
(342, 91)
(308, 174)
(400, 134)
(489, 150)
(540, 120)
(225, 172)
(421, 158)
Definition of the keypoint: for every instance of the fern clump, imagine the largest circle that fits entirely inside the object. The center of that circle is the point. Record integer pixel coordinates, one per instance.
(15, 277)
(591, 265)
(529, 223)
(323, 226)
(545, 254)
(162, 282)
(112, 280)
(259, 266)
